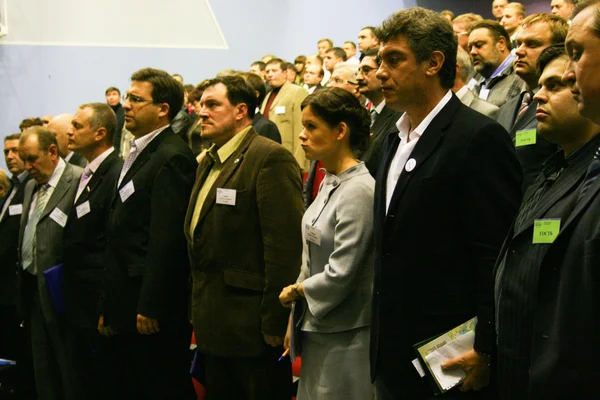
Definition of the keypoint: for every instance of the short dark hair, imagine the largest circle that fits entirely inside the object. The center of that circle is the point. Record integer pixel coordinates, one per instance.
(495, 29)
(238, 92)
(112, 89)
(45, 137)
(351, 43)
(372, 52)
(548, 55)
(165, 89)
(372, 29)
(188, 88)
(257, 83)
(278, 61)
(261, 65)
(102, 116)
(338, 52)
(14, 136)
(29, 122)
(335, 105)
(301, 59)
(425, 32)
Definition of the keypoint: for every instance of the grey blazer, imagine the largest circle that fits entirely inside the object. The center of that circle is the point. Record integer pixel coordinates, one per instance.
(481, 106)
(49, 234)
(337, 273)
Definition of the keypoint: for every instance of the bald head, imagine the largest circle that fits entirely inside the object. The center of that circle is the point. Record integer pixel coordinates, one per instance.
(59, 125)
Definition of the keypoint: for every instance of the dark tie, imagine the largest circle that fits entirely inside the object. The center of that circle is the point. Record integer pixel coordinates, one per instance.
(525, 102)
(591, 175)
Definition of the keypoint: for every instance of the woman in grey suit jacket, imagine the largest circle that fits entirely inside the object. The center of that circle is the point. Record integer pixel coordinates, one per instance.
(336, 277)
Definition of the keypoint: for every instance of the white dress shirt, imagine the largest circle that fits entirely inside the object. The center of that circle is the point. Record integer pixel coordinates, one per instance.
(137, 146)
(406, 147)
(90, 170)
(54, 178)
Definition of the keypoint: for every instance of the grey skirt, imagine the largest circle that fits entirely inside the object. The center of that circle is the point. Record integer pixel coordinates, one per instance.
(335, 366)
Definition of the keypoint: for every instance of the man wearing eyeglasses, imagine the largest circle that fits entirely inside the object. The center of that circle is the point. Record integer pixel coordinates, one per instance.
(383, 118)
(144, 297)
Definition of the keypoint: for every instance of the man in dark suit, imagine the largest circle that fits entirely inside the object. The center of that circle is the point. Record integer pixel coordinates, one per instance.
(145, 296)
(446, 191)
(517, 116)
(261, 125)
(564, 355)
(60, 125)
(92, 135)
(241, 184)
(551, 198)
(47, 201)
(13, 338)
(383, 118)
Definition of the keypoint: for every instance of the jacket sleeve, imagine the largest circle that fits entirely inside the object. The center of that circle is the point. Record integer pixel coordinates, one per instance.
(494, 194)
(280, 208)
(167, 265)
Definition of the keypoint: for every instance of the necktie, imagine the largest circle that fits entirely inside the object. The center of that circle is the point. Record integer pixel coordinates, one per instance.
(85, 177)
(524, 104)
(591, 175)
(128, 162)
(28, 247)
(369, 106)
(373, 116)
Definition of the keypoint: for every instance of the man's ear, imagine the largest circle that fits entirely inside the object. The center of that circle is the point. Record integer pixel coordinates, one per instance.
(163, 110)
(435, 64)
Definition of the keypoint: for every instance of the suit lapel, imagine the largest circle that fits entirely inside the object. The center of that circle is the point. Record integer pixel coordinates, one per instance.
(427, 144)
(59, 191)
(231, 165)
(526, 119)
(145, 155)
(201, 174)
(468, 98)
(280, 97)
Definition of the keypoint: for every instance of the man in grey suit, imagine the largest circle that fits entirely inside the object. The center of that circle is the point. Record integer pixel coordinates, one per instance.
(464, 72)
(47, 202)
(517, 115)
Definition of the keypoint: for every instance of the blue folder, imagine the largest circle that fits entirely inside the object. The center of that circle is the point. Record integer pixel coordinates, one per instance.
(197, 371)
(55, 283)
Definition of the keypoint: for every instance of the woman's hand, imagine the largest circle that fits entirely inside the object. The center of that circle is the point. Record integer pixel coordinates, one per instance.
(286, 340)
(287, 296)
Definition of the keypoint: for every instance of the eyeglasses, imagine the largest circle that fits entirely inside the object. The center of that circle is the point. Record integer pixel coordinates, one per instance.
(365, 70)
(135, 99)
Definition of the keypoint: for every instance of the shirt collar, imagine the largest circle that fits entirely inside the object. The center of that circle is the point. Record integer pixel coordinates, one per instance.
(21, 177)
(69, 156)
(508, 61)
(140, 144)
(403, 123)
(58, 171)
(225, 151)
(95, 163)
(379, 108)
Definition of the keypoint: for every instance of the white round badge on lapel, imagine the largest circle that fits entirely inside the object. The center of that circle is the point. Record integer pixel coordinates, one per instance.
(410, 165)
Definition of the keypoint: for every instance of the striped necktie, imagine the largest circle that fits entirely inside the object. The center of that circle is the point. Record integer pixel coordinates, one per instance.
(591, 175)
(28, 247)
(525, 102)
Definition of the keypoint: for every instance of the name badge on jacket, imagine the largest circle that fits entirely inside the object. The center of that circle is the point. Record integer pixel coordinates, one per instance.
(280, 110)
(313, 235)
(83, 209)
(126, 191)
(226, 196)
(59, 217)
(15, 209)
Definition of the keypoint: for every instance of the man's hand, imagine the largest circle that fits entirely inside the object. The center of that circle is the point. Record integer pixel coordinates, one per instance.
(147, 326)
(287, 296)
(273, 341)
(475, 365)
(105, 331)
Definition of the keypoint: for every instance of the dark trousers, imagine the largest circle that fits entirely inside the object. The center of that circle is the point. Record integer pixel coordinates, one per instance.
(15, 344)
(250, 378)
(152, 367)
(91, 358)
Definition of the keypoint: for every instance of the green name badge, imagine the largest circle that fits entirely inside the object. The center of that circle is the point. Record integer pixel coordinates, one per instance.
(525, 137)
(545, 230)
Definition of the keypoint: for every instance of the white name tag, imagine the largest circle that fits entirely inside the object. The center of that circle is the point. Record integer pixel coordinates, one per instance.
(83, 209)
(226, 196)
(15, 209)
(313, 235)
(126, 191)
(59, 217)
(280, 110)
(484, 93)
